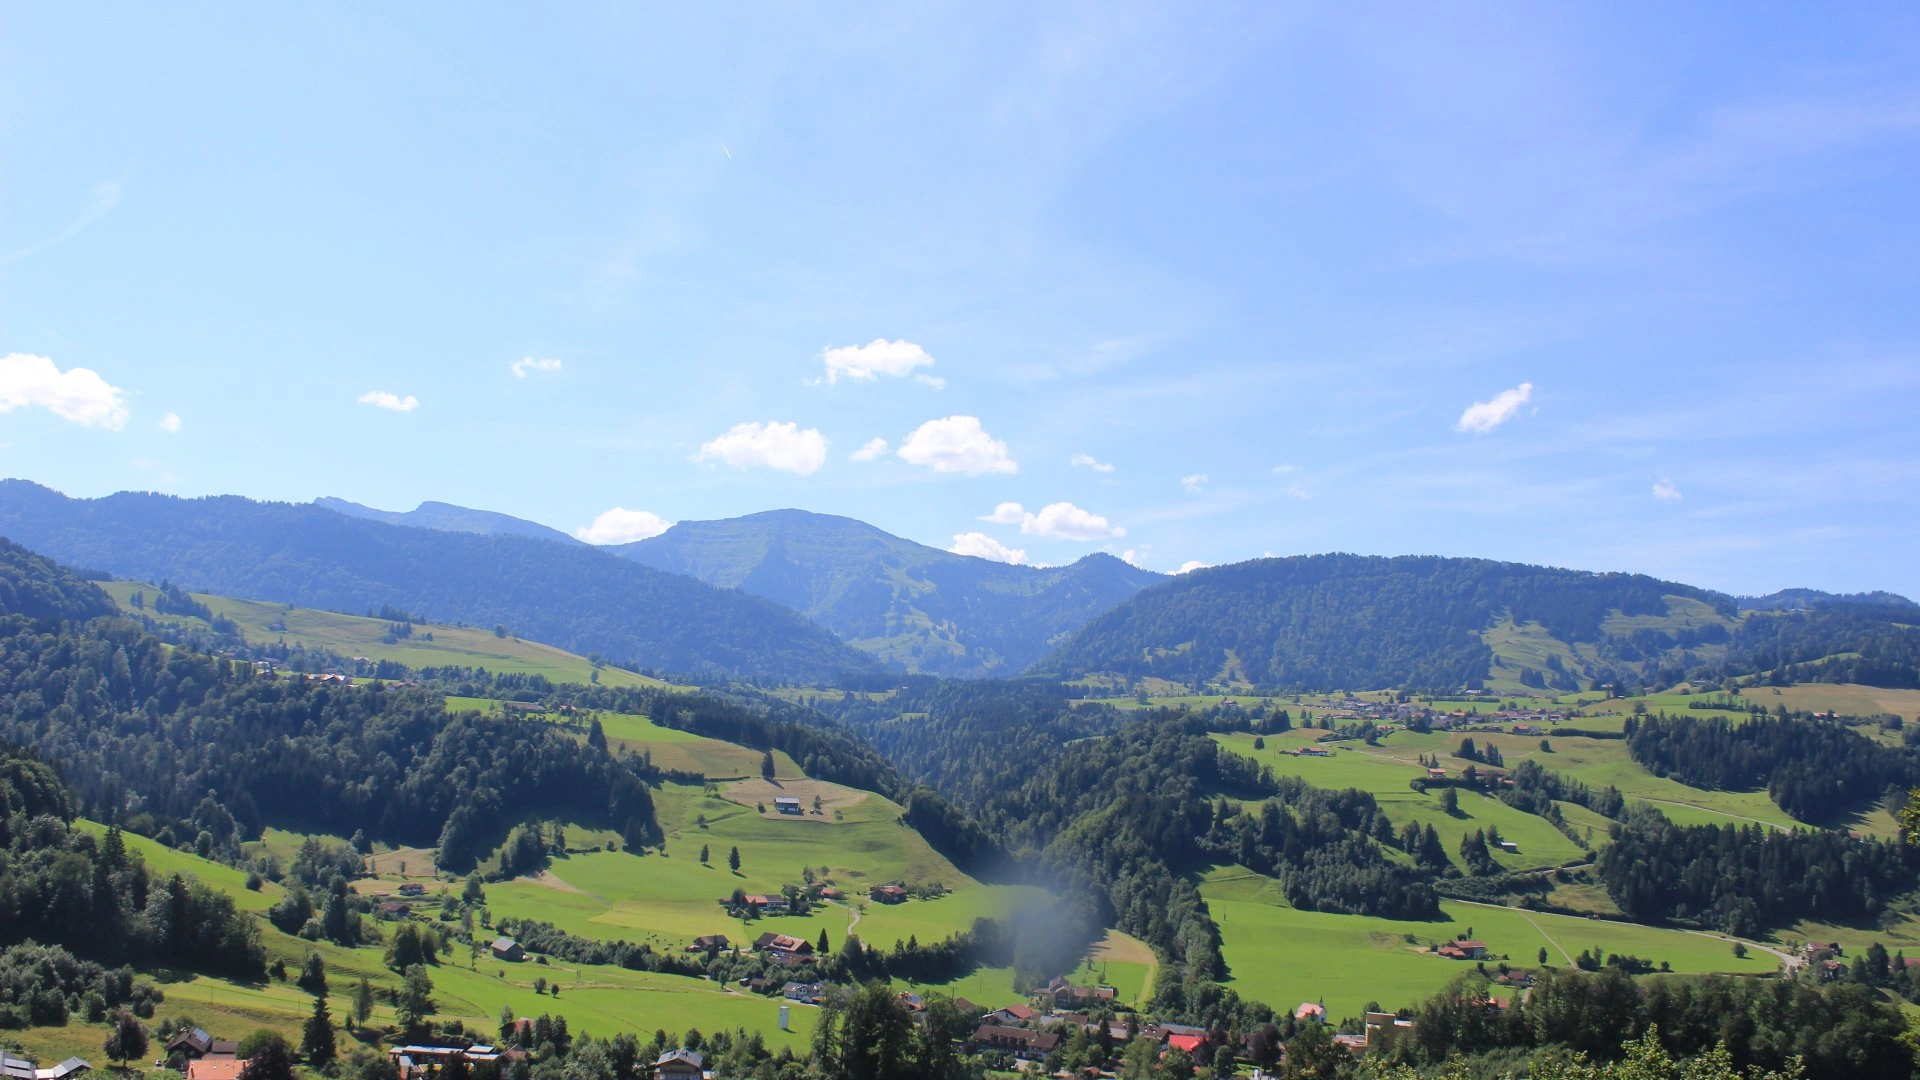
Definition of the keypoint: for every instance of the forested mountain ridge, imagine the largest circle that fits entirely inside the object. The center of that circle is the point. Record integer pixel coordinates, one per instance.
(448, 518)
(569, 595)
(32, 586)
(930, 610)
(1325, 622)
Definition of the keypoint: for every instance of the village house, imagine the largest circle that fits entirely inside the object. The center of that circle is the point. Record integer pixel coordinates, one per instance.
(413, 888)
(505, 948)
(678, 1065)
(708, 943)
(19, 1068)
(1193, 1045)
(216, 1068)
(418, 1062)
(1311, 1010)
(1011, 1015)
(1313, 751)
(1021, 1042)
(805, 993)
(888, 894)
(193, 1043)
(1352, 1044)
(783, 946)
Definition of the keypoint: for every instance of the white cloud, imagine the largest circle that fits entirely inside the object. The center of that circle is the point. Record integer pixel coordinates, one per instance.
(528, 363)
(865, 363)
(1191, 565)
(1195, 484)
(956, 444)
(1065, 521)
(380, 399)
(981, 546)
(1131, 557)
(785, 447)
(623, 526)
(871, 450)
(170, 423)
(1483, 416)
(1056, 521)
(1282, 470)
(1087, 461)
(1666, 492)
(78, 395)
(934, 381)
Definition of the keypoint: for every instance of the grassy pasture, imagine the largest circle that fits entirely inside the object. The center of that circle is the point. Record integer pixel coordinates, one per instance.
(1386, 776)
(1284, 956)
(356, 635)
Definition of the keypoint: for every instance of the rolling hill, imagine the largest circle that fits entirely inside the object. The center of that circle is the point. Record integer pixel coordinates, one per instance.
(568, 595)
(449, 518)
(930, 610)
(1327, 622)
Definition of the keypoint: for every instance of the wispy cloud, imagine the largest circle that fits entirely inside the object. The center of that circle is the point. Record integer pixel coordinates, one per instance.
(1087, 461)
(871, 450)
(1483, 416)
(1665, 491)
(528, 363)
(981, 546)
(1195, 484)
(620, 525)
(77, 395)
(784, 447)
(101, 199)
(381, 399)
(170, 423)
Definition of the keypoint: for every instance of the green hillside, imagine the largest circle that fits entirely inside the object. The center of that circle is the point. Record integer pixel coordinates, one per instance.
(570, 595)
(430, 645)
(1329, 622)
(929, 610)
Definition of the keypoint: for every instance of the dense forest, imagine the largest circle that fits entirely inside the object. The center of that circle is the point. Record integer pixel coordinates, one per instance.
(1815, 770)
(64, 886)
(1836, 1031)
(568, 595)
(1744, 879)
(1324, 622)
(178, 744)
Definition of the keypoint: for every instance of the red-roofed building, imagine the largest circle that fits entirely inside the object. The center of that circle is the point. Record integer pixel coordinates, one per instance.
(1192, 1044)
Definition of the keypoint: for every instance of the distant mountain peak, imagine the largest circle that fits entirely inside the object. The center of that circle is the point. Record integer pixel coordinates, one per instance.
(446, 517)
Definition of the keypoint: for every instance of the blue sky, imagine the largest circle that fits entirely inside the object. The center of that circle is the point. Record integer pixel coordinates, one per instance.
(1621, 286)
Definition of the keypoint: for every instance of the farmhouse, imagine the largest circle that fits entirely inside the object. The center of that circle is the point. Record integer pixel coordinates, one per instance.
(413, 888)
(1464, 950)
(419, 1062)
(1509, 847)
(1012, 1014)
(783, 945)
(805, 993)
(216, 1068)
(708, 943)
(678, 1065)
(1021, 1042)
(888, 894)
(507, 949)
(787, 804)
(1313, 751)
(19, 1068)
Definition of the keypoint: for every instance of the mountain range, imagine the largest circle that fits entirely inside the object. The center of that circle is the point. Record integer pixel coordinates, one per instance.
(797, 597)
(928, 610)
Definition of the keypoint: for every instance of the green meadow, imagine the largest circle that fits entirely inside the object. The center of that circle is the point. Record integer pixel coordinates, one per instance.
(355, 635)
(1388, 776)
(1284, 956)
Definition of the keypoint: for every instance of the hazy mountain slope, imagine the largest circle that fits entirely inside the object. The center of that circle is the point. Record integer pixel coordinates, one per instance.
(1333, 621)
(569, 595)
(931, 610)
(1797, 599)
(448, 518)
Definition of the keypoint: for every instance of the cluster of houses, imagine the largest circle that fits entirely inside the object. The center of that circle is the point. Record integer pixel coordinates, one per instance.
(19, 1068)
(1518, 719)
(415, 1062)
(1465, 949)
